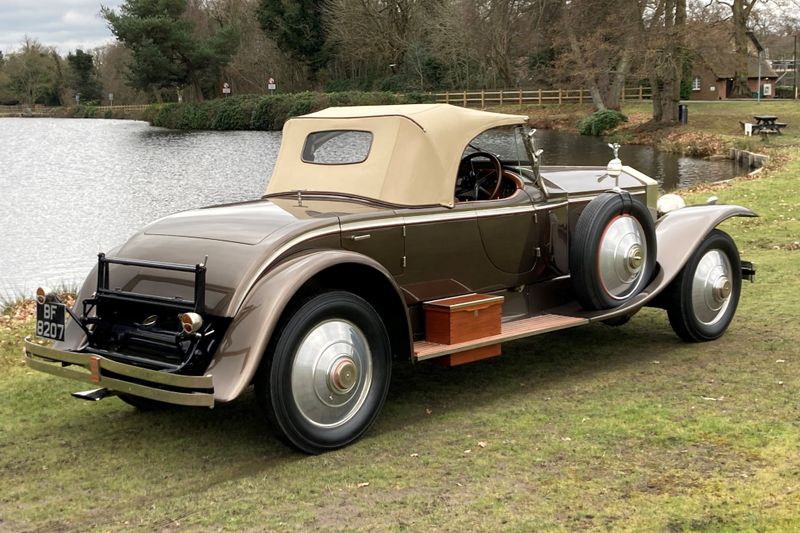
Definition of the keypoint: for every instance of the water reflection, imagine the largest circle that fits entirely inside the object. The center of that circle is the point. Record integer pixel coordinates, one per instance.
(71, 187)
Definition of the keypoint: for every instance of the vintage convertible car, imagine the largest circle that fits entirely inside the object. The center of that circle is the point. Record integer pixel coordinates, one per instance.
(421, 232)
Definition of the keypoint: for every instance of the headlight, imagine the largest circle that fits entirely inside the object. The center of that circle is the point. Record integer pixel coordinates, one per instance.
(669, 202)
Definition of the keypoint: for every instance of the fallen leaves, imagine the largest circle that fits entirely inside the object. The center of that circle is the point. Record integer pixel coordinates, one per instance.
(21, 311)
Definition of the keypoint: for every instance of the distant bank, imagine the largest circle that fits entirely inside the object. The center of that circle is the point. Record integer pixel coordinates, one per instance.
(246, 112)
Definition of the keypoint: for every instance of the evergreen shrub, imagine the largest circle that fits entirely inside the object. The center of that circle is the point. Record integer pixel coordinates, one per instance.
(601, 121)
(270, 112)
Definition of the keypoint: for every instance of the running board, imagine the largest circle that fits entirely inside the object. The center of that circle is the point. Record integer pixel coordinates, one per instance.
(516, 329)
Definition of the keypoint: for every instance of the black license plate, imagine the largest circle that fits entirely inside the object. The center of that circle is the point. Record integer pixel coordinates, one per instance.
(50, 320)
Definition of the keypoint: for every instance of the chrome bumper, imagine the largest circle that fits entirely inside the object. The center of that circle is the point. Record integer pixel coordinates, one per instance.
(146, 383)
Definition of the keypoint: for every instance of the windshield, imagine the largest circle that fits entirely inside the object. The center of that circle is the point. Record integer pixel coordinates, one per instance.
(506, 142)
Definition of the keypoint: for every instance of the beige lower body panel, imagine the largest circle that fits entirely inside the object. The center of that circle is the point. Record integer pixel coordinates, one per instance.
(94, 369)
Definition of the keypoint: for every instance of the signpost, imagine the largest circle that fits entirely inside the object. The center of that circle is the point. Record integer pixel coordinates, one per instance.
(111, 99)
(226, 89)
(271, 85)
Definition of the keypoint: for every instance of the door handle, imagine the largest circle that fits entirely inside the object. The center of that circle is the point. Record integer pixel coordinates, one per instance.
(362, 237)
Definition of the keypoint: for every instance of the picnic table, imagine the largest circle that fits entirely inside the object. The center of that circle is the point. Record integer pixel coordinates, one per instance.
(767, 124)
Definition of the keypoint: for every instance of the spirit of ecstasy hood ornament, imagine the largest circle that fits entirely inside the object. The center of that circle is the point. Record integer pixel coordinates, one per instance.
(614, 168)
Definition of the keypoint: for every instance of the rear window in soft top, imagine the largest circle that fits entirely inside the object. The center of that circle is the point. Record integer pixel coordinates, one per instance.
(337, 147)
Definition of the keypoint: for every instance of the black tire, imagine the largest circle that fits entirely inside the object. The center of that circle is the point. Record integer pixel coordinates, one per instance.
(678, 297)
(604, 212)
(143, 404)
(292, 394)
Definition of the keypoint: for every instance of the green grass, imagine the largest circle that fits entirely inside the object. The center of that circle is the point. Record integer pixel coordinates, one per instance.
(723, 118)
(600, 428)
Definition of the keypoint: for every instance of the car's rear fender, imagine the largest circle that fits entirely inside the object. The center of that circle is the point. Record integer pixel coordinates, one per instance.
(247, 338)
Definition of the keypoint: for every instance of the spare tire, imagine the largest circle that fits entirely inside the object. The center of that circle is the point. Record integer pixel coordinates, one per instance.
(612, 251)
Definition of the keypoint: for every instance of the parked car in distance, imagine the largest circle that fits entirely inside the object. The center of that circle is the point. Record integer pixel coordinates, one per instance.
(421, 232)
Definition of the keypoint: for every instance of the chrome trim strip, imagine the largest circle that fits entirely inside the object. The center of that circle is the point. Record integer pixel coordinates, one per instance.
(47, 359)
(465, 214)
(372, 224)
(449, 216)
(513, 210)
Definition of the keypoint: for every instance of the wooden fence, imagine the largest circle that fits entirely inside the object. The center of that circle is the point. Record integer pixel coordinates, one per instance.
(40, 110)
(485, 98)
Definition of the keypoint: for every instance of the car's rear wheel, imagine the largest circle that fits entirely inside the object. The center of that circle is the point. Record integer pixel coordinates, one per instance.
(702, 299)
(328, 373)
(612, 251)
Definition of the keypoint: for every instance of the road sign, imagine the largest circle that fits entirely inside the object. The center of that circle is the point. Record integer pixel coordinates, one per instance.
(226, 88)
(271, 84)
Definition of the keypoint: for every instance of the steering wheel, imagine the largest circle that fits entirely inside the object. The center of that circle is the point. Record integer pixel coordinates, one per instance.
(471, 182)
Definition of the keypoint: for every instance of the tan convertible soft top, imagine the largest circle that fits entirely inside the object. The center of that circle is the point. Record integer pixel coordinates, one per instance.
(413, 160)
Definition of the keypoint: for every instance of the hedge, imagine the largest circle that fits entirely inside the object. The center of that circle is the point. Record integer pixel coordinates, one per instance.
(251, 112)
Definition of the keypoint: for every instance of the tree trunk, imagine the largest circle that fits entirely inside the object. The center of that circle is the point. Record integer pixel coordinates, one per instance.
(741, 13)
(594, 90)
(617, 85)
(667, 75)
(198, 91)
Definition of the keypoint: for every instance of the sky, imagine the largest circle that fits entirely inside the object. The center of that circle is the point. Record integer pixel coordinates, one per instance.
(64, 24)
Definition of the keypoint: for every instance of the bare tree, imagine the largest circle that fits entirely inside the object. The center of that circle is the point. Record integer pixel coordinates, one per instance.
(599, 48)
(740, 14)
(31, 72)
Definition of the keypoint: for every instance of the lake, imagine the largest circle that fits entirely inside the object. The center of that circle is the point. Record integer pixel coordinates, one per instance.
(72, 187)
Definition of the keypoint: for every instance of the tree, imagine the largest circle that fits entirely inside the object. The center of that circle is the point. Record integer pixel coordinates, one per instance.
(297, 28)
(82, 76)
(668, 56)
(740, 14)
(167, 51)
(596, 52)
(30, 73)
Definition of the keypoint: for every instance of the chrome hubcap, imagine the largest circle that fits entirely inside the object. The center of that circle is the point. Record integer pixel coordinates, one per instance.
(623, 250)
(331, 373)
(712, 287)
(635, 257)
(343, 375)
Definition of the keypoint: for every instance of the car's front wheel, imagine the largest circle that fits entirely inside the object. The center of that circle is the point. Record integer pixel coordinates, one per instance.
(328, 374)
(702, 300)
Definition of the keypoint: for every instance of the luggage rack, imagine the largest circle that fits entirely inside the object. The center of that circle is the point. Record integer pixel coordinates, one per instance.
(114, 332)
(105, 293)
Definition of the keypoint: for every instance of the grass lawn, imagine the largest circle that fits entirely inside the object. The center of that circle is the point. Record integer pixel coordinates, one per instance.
(624, 429)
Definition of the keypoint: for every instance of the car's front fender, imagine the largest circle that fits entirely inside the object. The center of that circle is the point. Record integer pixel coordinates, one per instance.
(239, 354)
(678, 234)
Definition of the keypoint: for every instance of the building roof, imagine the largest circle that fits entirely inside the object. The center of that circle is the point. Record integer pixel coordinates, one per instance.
(724, 66)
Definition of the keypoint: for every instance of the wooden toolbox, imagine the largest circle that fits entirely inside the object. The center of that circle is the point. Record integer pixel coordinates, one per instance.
(464, 318)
